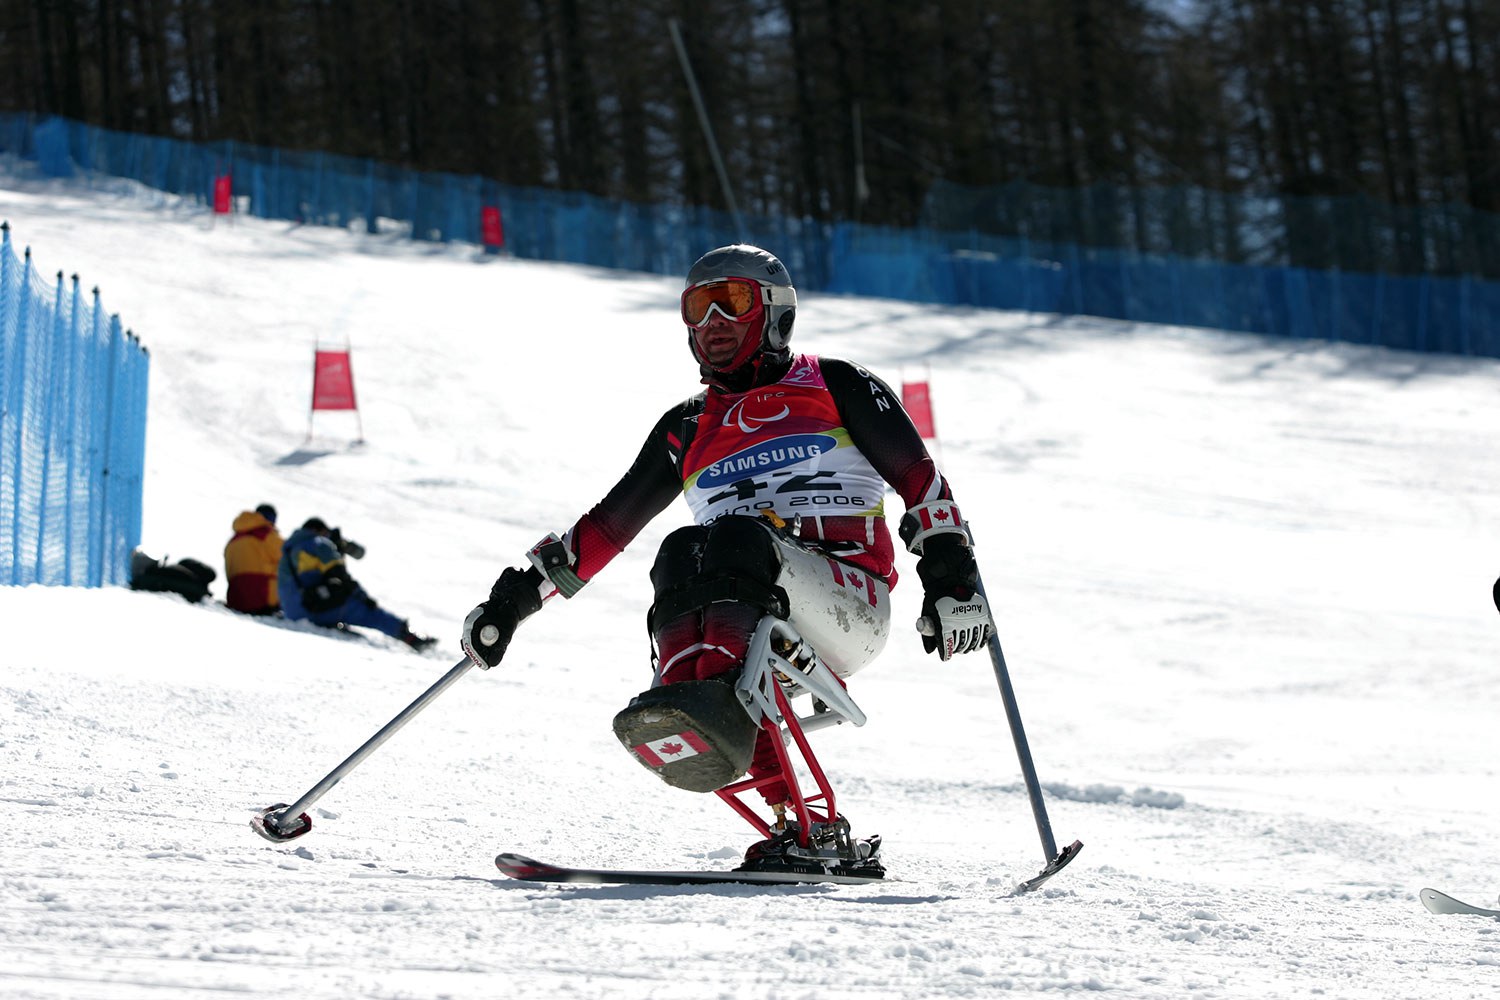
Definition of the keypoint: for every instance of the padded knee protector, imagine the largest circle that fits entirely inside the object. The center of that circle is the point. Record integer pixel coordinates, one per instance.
(694, 735)
(679, 558)
(742, 546)
(730, 546)
(732, 559)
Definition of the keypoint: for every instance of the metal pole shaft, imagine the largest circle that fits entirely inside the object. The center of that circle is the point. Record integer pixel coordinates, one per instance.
(337, 774)
(1018, 733)
(1023, 751)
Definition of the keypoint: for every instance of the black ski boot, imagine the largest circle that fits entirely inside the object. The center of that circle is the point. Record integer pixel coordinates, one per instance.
(420, 643)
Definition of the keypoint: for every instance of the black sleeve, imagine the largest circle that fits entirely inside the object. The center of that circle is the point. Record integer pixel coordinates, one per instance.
(653, 481)
(881, 429)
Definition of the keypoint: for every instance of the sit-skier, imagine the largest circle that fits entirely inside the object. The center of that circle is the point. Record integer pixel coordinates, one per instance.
(784, 461)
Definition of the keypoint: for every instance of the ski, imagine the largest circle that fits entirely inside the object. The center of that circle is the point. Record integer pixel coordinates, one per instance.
(525, 869)
(1441, 902)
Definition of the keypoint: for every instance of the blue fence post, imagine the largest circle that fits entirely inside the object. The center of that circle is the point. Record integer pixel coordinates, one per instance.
(113, 562)
(141, 364)
(17, 395)
(1221, 301)
(315, 211)
(1077, 280)
(1265, 300)
(1424, 302)
(11, 365)
(416, 194)
(71, 475)
(97, 417)
(1175, 277)
(1027, 267)
(1463, 313)
(57, 345)
(370, 226)
(1336, 307)
(99, 367)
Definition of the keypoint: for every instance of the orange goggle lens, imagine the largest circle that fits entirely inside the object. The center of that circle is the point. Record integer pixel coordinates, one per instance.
(736, 298)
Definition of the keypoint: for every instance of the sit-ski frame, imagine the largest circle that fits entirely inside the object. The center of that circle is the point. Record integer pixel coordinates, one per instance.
(780, 666)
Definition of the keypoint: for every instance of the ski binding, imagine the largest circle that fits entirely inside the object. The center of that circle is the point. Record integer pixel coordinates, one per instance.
(525, 869)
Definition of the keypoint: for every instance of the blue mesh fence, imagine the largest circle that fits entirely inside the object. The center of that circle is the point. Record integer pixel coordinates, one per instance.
(1421, 312)
(73, 433)
(1454, 315)
(1343, 232)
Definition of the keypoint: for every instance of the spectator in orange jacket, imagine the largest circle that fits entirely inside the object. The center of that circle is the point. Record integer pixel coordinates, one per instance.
(250, 561)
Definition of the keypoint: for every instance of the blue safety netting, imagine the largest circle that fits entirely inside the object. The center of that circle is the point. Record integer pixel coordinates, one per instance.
(73, 432)
(1420, 312)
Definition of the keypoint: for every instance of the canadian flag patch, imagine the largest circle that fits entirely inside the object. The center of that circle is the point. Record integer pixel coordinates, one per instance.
(681, 746)
(939, 514)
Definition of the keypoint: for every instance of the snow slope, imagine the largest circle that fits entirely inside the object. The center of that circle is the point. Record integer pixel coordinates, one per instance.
(1242, 584)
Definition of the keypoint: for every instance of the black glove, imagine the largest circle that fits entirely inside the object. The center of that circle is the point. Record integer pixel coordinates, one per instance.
(488, 629)
(955, 617)
(332, 590)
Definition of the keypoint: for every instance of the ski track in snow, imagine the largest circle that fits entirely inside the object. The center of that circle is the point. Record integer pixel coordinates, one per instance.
(1242, 585)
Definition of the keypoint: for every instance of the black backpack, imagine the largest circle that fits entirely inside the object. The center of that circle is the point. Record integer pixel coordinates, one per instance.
(187, 577)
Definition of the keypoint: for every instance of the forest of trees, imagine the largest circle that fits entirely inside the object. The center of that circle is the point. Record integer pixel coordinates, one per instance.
(831, 109)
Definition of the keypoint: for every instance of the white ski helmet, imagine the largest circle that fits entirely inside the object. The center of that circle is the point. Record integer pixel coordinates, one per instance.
(777, 299)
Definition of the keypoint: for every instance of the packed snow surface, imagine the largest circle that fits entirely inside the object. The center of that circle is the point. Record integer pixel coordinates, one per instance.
(1242, 585)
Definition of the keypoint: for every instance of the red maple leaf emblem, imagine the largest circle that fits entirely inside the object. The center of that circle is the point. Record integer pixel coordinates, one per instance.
(941, 514)
(854, 580)
(670, 749)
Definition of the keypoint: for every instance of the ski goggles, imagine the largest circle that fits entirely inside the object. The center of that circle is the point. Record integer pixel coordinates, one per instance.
(736, 299)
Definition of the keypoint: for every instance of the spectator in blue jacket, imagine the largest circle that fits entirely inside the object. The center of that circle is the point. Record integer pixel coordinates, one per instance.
(315, 585)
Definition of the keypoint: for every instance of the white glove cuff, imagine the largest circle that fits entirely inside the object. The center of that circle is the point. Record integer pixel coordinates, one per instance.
(553, 558)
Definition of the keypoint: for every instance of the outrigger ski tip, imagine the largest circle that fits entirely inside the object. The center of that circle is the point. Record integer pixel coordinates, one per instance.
(267, 823)
(1441, 902)
(518, 866)
(1053, 867)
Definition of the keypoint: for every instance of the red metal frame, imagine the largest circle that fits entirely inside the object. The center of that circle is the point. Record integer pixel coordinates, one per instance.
(801, 806)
